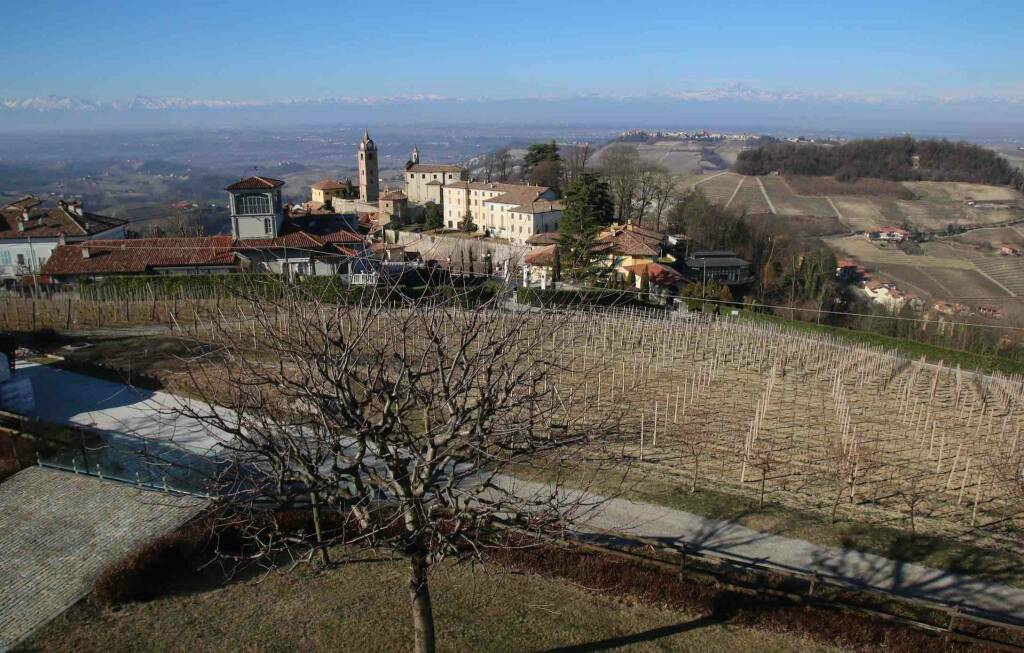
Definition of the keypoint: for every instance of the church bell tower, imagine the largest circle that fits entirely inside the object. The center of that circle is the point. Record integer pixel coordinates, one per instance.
(369, 175)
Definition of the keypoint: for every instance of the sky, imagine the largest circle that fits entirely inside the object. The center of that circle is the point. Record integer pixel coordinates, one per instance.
(106, 50)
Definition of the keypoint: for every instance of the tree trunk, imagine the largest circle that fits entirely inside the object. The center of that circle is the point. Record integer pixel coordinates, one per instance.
(696, 467)
(419, 597)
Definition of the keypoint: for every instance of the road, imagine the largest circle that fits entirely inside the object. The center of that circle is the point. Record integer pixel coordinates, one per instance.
(111, 406)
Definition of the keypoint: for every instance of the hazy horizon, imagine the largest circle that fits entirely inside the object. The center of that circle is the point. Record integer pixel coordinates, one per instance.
(867, 68)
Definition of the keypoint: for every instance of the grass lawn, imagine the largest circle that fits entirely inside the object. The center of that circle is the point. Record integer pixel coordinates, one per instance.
(362, 607)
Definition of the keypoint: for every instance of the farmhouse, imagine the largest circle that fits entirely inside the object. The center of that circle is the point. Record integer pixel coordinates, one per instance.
(1009, 250)
(30, 232)
(889, 234)
(889, 295)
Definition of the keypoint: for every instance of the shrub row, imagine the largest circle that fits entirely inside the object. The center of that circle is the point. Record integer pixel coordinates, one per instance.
(590, 297)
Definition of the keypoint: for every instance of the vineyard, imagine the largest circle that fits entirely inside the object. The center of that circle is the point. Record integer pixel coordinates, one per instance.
(758, 409)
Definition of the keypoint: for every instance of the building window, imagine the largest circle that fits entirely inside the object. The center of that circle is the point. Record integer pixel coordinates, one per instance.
(252, 204)
(5, 258)
(268, 226)
(21, 259)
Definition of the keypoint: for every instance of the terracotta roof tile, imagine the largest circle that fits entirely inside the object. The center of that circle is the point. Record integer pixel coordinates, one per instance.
(434, 167)
(139, 255)
(51, 222)
(255, 183)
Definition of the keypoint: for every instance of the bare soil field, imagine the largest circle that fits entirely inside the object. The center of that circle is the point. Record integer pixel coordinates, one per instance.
(859, 248)
(720, 188)
(750, 197)
(788, 203)
(821, 186)
(992, 238)
(953, 191)
(860, 213)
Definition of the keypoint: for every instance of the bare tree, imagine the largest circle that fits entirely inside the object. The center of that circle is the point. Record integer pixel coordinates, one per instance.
(575, 159)
(503, 163)
(649, 178)
(397, 424)
(620, 166)
(664, 196)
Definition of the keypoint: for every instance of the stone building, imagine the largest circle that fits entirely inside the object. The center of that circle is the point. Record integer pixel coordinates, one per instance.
(512, 211)
(425, 182)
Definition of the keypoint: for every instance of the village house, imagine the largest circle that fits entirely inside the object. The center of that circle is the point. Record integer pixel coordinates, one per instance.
(425, 182)
(1009, 250)
(888, 234)
(264, 238)
(30, 232)
(887, 294)
(719, 266)
(511, 211)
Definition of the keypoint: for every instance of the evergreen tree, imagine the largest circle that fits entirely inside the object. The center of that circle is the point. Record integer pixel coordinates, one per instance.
(588, 208)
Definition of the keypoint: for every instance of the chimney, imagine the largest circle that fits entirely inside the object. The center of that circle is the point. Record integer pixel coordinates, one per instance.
(85, 252)
(21, 226)
(24, 215)
(61, 240)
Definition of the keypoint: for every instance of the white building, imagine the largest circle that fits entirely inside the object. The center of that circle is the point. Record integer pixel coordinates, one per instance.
(30, 232)
(512, 211)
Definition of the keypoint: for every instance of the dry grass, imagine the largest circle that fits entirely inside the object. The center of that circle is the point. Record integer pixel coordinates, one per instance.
(362, 607)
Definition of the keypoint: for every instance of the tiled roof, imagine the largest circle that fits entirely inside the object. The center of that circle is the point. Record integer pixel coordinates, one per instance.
(434, 167)
(51, 222)
(626, 243)
(255, 183)
(394, 195)
(540, 206)
(330, 184)
(662, 275)
(541, 256)
(139, 255)
(517, 195)
(544, 238)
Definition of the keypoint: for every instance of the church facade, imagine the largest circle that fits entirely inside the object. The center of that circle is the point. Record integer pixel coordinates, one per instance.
(425, 182)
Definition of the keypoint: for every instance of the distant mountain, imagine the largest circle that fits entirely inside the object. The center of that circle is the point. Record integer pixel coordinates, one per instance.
(734, 108)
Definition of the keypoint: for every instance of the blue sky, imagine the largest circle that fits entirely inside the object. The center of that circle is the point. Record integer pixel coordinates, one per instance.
(107, 50)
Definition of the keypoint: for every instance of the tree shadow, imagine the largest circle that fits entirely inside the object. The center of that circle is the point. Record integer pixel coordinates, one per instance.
(635, 638)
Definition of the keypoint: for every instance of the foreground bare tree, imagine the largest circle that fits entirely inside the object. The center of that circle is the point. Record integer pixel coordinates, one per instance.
(397, 424)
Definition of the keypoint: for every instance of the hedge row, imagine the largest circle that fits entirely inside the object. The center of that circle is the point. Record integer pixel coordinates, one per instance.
(330, 289)
(596, 297)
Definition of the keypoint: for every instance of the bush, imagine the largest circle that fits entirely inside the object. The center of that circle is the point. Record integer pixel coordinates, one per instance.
(144, 573)
(563, 298)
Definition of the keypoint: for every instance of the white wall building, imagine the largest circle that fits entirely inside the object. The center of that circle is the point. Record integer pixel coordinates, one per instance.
(512, 211)
(425, 182)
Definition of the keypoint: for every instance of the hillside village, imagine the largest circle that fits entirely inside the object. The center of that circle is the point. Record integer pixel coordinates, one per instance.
(509, 227)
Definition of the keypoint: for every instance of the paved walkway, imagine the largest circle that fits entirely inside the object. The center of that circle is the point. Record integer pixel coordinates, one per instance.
(142, 411)
(59, 530)
(674, 528)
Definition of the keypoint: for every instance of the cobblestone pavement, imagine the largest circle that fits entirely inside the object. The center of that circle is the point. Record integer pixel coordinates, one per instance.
(58, 530)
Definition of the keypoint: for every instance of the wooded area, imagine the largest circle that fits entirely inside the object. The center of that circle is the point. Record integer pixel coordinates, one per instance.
(896, 159)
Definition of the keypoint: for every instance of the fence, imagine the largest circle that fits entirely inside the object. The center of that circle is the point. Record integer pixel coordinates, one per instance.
(125, 458)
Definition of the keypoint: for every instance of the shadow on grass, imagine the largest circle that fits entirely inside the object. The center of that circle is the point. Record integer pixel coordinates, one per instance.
(611, 643)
